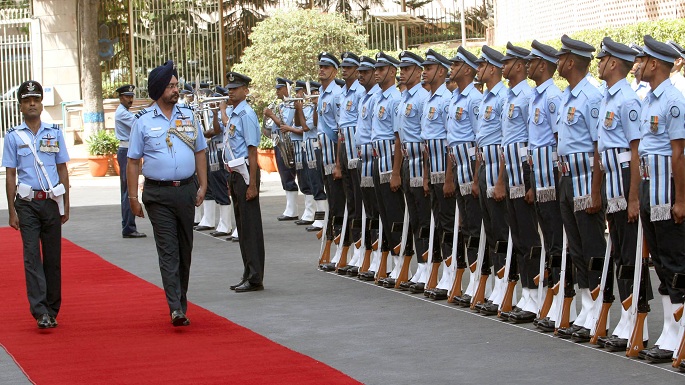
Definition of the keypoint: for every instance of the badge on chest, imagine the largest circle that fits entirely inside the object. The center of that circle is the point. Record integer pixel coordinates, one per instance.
(536, 116)
(570, 114)
(653, 124)
(185, 125)
(458, 113)
(609, 119)
(49, 144)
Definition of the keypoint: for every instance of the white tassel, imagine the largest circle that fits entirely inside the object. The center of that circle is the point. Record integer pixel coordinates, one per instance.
(616, 204)
(660, 213)
(582, 202)
(546, 194)
(516, 192)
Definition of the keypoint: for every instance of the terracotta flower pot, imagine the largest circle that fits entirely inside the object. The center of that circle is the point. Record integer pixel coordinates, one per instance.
(267, 160)
(115, 164)
(98, 165)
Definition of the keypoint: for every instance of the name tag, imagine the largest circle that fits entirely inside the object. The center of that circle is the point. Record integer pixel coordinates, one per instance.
(155, 128)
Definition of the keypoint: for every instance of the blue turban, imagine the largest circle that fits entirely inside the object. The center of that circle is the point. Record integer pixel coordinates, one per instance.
(159, 78)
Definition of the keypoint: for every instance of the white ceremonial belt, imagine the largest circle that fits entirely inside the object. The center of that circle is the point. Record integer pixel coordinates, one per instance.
(624, 157)
(123, 143)
(220, 146)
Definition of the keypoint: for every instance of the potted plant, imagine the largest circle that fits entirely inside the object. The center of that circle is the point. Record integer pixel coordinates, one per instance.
(266, 155)
(102, 146)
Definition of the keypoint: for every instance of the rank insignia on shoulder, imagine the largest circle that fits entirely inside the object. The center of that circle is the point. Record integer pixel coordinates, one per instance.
(632, 115)
(141, 113)
(675, 111)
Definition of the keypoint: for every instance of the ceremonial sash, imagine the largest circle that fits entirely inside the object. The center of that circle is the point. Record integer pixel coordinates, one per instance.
(436, 154)
(412, 151)
(383, 150)
(491, 163)
(580, 170)
(366, 158)
(346, 137)
(462, 154)
(311, 145)
(327, 153)
(543, 159)
(297, 146)
(657, 169)
(514, 156)
(613, 161)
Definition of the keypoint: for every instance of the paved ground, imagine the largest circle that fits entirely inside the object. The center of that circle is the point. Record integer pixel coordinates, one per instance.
(376, 335)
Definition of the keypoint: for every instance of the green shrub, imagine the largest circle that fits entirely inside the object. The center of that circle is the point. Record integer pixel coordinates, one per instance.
(266, 143)
(102, 142)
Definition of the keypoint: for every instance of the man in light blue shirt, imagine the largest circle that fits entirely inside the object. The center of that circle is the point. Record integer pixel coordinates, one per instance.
(171, 142)
(123, 121)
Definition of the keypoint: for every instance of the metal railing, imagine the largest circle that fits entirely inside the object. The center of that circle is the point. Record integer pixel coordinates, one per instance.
(15, 62)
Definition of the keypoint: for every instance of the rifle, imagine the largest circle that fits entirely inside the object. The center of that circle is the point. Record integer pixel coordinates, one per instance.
(479, 294)
(539, 280)
(506, 304)
(458, 262)
(362, 243)
(382, 261)
(325, 251)
(680, 354)
(432, 273)
(341, 252)
(600, 317)
(565, 309)
(640, 307)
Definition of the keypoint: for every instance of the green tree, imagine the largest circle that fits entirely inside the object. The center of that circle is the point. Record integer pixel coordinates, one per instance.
(287, 45)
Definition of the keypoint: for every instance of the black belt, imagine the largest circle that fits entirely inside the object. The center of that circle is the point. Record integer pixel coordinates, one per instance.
(174, 183)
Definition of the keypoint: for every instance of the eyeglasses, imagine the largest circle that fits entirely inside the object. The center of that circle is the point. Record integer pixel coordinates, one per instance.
(172, 86)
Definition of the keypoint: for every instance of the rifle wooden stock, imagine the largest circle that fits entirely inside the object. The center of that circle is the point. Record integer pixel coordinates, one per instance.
(500, 273)
(601, 326)
(383, 266)
(635, 344)
(326, 255)
(366, 262)
(337, 239)
(343, 258)
(536, 280)
(506, 305)
(319, 234)
(547, 303)
(424, 256)
(565, 314)
(595, 293)
(404, 272)
(479, 295)
(678, 314)
(448, 261)
(555, 288)
(358, 244)
(396, 249)
(473, 266)
(456, 286)
(627, 303)
(374, 245)
(432, 280)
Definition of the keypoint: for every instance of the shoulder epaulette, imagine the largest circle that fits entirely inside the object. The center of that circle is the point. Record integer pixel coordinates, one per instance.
(187, 107)
(55, 126)
(142, 112)
(242, 113)
(11, 129)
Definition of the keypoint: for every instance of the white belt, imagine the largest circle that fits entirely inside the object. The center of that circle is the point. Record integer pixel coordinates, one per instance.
(624, 157)
(220, 146)
(123, 143)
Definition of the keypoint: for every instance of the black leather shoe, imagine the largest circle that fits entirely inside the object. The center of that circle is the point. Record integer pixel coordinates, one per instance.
(313, 228)
(352, 271)
(343, 270)
(367, 276)
(406, 285)
(417, 288)
(134, 234)
(504, 316)
(242, 281)
(203, 228)
(681, 367)
(545, 324)
(286, 218)
(601, 341)
(302, 222)
(229, 238)
(658, 355)
(248, 286)
(438, 294)
(582, 335)
(218, 234)
(566, 333)
(465, 300)
(615, 344)
(522, 316)
(235, 239)
(43, 321)
(489, 308)
(389, 283)
(327, 267)
(53, 322)
(179, 319)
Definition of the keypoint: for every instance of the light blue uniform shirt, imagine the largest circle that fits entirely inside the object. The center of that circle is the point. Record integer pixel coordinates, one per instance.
(662, 120)
(327, 107)
(577, 119)
(619, 117)
(366, 104)
(462, 117)
(123, 121)
(242, 131)
(489, 121)
(409, 113)
(349, 104)
(435, 111)
(313, 133)
(149, 141)
(51, 150)
(288, 115)
(542, 116)
(515, 114)
(384, 114)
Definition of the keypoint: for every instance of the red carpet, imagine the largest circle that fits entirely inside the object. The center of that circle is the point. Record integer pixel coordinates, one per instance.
(114, 329)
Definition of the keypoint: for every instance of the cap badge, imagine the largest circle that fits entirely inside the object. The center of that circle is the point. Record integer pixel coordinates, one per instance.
(31, 87)
(231, 78)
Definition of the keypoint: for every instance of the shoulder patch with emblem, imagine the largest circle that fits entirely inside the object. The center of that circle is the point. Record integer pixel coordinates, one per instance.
(675, 111)
(594, 112)
(632, 115)
(141, 113)
(552, 107)
(476, 110)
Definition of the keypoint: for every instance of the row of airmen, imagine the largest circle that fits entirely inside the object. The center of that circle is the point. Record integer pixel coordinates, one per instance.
(526, 177)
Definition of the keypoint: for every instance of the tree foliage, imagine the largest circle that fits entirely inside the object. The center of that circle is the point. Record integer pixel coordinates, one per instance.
(287, 45)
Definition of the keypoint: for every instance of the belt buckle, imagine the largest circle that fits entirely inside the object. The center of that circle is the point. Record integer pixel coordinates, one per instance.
(39, 195)
(644, 170)
(176, 183)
